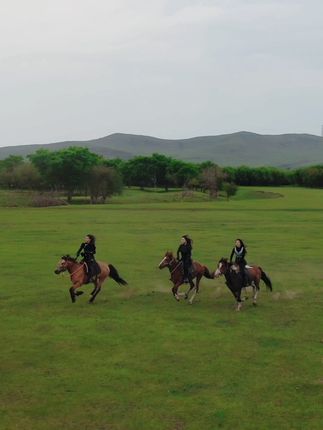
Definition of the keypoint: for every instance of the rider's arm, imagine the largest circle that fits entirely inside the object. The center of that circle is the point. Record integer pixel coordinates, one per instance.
(80, 249)
(232, 254)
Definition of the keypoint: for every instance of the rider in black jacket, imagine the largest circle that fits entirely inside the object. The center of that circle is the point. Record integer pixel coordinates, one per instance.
(184, 254)
(87, 251)
(239, 252)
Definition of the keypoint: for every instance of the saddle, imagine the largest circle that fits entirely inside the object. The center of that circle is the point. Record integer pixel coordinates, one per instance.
(95, 270)
(235, 268)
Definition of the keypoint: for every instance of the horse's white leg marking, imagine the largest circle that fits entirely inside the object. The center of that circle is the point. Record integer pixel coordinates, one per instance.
(255, 295)
(193, 296)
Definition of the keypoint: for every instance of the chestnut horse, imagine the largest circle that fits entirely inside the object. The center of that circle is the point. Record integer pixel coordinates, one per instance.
(79, 276)
(177, 275)
(235, 281)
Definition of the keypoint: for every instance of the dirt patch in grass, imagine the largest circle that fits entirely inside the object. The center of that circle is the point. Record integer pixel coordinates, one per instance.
(266, 195)
(286, 295)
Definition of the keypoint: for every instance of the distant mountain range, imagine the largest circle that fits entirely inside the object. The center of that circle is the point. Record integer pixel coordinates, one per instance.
(285, 150)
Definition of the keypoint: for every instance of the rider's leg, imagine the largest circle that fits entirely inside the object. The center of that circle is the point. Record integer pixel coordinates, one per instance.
(185, 270)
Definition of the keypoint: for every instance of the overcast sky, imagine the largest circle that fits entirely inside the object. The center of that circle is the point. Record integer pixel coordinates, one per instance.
(81, 69)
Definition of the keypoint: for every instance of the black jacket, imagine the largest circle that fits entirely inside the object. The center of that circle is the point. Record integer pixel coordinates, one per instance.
(88, 251)
(240, 254)
(184, 253)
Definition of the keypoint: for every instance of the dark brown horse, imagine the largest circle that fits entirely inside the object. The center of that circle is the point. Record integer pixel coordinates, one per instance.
(177, 275)
(79, 277)
(235, 281)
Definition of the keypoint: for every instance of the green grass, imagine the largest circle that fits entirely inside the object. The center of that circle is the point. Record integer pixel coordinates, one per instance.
(137, 359)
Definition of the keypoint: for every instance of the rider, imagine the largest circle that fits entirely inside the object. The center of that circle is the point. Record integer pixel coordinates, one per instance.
(87, 251)
(184, 254)
(240, 251)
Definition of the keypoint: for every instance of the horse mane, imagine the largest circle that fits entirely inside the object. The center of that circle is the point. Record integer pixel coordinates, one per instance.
(67, 257)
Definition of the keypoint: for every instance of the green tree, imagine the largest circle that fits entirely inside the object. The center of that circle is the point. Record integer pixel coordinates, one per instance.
(11, 162)
(139, 172)
(211, 179)
(103, 182)
(230, 189)
(67, 169)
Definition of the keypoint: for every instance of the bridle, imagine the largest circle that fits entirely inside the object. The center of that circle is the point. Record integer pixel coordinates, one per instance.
(64, 268)
(222, 269)
(169, 263)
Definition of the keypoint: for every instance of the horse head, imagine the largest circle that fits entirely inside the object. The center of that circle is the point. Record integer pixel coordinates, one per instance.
(64, 263)
(222, 268)
(167, 260)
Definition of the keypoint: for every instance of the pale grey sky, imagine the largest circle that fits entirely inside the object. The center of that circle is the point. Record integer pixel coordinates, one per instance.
(81, 69)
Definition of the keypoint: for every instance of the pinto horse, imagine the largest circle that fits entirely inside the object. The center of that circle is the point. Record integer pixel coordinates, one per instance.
(79, 276)
(177, 274)
(235, 281)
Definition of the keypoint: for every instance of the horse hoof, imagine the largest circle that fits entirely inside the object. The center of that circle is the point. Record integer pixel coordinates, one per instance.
(254, 303)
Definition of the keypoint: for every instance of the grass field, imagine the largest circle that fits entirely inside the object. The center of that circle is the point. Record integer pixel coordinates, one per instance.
(137, 359)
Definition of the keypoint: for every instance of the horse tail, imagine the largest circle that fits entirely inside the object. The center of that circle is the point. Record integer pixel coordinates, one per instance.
(266, 280)
(115, 275)
(207, 273)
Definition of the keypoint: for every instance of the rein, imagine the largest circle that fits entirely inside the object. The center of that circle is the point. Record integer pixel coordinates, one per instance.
(175, 268)
(75, 271)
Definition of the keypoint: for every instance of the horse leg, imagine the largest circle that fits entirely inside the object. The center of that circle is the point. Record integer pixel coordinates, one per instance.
(195, 289)
(96, 291)
(245, 297)
(191, 288)
(255, 292)
(79, 293)
(72, 294)
(186, 295)
(174, 290)
(239, 302)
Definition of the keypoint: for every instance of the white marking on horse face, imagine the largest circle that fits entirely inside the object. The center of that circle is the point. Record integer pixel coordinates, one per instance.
(217, 272)
(162, 262)
(60, 266)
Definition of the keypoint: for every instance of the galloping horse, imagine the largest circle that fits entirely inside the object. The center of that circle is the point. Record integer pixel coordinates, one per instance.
(78, 276)
(234, 279)
(177, 275)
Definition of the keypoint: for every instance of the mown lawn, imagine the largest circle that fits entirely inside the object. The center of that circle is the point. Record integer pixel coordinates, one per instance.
(137, 359)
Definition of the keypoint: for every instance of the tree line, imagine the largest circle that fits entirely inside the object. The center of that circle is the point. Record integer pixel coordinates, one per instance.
(76, 170)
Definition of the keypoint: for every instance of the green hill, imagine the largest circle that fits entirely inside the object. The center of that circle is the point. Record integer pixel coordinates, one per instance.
(286, 150)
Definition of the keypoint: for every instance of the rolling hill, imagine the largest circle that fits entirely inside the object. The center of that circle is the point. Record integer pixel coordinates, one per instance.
(286, 150)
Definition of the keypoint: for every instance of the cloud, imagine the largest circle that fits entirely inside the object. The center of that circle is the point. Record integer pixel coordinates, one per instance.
(81, 68)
